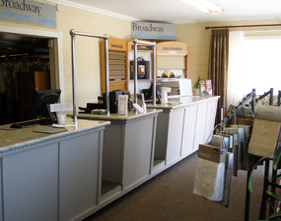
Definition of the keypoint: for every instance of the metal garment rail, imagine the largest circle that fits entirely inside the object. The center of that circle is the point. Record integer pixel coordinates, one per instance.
(73, 33)
(265, 94)
(279, 99)
(136, 41)
(238, 107)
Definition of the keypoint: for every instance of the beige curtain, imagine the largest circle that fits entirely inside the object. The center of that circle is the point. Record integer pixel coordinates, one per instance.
(218, 67)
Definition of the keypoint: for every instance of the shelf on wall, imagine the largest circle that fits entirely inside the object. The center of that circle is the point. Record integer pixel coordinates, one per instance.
(117, 63)
(172, 55)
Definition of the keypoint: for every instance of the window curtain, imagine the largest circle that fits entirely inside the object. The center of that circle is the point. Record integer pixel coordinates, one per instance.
(218, 68)
(235, 70)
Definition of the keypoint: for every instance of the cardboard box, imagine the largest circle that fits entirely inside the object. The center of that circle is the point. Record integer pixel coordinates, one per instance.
(212, 153)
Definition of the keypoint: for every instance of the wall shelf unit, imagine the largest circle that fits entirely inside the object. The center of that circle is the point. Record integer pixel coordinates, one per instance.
(172, 57)
(117, 63)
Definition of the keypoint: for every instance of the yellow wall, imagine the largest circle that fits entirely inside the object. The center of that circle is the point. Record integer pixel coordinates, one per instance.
(87, 49)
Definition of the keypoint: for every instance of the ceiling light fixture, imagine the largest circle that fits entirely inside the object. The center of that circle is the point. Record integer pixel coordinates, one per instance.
(206, 6)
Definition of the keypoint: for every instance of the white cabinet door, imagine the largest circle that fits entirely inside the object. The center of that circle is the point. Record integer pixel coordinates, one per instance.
(210, 120)
(200, 125)
(30, 184)
(138, 147)
(79, 182)
(174, 135)
(189, 129)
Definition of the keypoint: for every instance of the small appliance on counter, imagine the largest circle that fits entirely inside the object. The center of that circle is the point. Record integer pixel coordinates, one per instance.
(179, 86)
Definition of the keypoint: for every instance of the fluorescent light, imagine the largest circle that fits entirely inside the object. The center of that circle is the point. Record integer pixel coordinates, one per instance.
(205, 6)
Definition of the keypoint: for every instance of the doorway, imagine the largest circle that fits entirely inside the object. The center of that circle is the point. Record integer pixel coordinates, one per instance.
(28, 62)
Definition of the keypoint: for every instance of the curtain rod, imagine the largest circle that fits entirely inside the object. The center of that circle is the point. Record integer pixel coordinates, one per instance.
(242, 26)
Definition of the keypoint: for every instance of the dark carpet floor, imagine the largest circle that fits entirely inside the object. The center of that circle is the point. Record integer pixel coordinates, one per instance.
(169, 196)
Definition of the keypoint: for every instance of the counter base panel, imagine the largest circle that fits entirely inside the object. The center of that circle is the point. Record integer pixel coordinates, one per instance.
(30, 180)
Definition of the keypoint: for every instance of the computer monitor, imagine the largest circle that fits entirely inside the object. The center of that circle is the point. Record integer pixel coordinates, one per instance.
(149, 94)
(41, 105)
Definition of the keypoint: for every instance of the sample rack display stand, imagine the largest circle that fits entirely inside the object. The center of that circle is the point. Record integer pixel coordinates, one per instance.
(224, 122)
(266, 182)
(117, 63)
(172, 56)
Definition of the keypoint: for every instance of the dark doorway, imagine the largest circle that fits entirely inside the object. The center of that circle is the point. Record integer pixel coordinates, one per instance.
(24, 68)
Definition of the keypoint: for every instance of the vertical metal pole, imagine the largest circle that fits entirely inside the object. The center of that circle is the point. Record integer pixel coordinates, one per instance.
(106, 76)
(247, 201)
(254, 101)
(74, 81)
(273, 188)
(135, 70)
(265, 188)
(154, 74)
(279, 98)
(271, 97)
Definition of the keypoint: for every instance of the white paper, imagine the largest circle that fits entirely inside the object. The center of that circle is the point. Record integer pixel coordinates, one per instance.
(209, 179)
(123, 104)
(61, 107)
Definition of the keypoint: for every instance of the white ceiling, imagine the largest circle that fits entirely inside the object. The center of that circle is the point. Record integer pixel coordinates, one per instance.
(177, 12)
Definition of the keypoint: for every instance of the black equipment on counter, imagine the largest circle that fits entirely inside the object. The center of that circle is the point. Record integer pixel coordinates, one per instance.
(148, 93)
(113, 102)
(113, 99)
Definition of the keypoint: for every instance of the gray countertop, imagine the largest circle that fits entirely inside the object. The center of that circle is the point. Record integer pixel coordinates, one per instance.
(14, 139)
(131, 116)
(182, 102)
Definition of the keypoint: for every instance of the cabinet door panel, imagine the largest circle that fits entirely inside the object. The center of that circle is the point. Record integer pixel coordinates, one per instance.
(210, 120)
(30, 184)
(200, 125)
(137, 151)
(79, 166)
(189, 129)
(175, 135)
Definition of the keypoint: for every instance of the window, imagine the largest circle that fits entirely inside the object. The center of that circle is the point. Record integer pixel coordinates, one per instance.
(254, 63)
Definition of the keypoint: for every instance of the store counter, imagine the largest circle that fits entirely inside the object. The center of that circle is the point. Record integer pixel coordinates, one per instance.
(50, 176)
(184, 123)
(137, 147)
(128, 151)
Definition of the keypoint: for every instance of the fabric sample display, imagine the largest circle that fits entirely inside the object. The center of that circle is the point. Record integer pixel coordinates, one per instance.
(228, 179)
(209, 179)
(221, 141)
